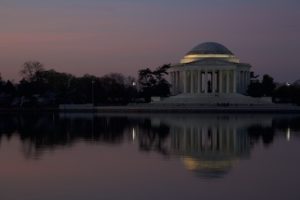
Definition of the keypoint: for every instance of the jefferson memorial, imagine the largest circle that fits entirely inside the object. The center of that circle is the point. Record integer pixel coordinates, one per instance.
(210, 74)
(210, 68)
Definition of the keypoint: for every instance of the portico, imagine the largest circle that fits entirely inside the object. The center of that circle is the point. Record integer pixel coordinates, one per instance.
(210, 68)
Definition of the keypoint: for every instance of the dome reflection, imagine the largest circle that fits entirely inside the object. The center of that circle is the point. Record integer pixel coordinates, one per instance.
(208, 145)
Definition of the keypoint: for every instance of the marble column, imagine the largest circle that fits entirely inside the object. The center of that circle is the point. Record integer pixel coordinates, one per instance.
(192, 82)
(179, 84)
(174, 82)
(237, 81)
(241, 82)
(227, 82)
(181, 81)
(195, 81)
(199, 82)
(234, 81)
(220, 81)
(245, 81)
(214, 81)
(205, 81)
(248, 79)
(184, 82)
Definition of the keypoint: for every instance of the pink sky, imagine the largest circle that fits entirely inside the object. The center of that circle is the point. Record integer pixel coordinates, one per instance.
(99, 37)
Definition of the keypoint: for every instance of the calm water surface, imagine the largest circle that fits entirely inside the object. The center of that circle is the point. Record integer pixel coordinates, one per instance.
(85, 156)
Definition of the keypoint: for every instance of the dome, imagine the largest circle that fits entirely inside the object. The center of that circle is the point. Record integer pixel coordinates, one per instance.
(209, 50)
(208, 168)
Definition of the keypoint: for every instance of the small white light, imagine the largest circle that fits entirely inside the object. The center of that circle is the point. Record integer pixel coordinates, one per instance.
(288, 134)
(133, 134)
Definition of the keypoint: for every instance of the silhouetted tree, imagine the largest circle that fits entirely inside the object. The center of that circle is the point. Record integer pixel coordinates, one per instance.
(30, 69)
(41, 87)
(153, 83)
(268, 85)
(9, 88)
(287, 94)
(255, 89)
(296, 95)
(253, 76)
(264, 88)
(117, 89)
(7, 92)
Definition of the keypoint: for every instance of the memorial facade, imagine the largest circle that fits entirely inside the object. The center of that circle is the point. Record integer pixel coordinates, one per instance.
(210, 68)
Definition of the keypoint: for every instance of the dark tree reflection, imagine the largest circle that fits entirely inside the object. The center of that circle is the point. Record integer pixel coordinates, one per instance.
(153, 137)
(258, 132)
(44, 132)
(39, 133)
(284, 123)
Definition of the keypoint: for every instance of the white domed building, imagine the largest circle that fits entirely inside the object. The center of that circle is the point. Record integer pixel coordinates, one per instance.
(210, 68)
(210, 74)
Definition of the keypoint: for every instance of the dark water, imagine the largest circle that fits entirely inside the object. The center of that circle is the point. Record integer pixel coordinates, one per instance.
(81, 156)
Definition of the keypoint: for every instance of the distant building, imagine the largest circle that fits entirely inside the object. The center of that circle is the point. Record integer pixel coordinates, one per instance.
(210, 68)
(210, 74)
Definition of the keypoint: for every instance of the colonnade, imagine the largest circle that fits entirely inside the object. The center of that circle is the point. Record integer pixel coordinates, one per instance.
(209, 81)
(209, 139)
(243, 81)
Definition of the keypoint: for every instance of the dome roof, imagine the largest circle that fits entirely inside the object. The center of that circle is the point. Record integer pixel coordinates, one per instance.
(209, 168)
(210, 48)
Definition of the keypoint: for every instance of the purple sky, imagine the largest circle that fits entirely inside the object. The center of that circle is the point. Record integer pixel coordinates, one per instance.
(103, 36)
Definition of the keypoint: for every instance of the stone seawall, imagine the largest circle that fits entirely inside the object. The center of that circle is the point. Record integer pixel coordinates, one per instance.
(149, 108)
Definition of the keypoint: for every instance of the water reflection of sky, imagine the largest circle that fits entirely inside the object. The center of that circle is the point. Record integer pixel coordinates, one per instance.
(68, 156)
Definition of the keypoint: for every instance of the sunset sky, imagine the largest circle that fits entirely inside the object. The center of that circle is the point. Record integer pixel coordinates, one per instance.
(103, 36)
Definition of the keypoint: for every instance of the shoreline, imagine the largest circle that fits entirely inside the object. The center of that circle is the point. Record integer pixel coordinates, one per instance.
(163, 109)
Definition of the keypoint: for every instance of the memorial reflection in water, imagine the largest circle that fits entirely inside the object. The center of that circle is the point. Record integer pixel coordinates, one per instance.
(210, 149)
(209, 145)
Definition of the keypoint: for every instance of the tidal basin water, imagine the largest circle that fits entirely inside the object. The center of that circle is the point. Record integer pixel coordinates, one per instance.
(139, 156)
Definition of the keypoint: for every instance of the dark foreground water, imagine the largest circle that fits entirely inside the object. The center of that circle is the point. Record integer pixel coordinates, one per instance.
(81, 156)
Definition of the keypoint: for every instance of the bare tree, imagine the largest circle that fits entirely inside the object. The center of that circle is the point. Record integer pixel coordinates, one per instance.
(30, 69)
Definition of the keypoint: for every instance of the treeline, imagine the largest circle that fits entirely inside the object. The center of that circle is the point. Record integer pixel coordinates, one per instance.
(39, 133)
(41, 87)
(284, 93)
(43, 132)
